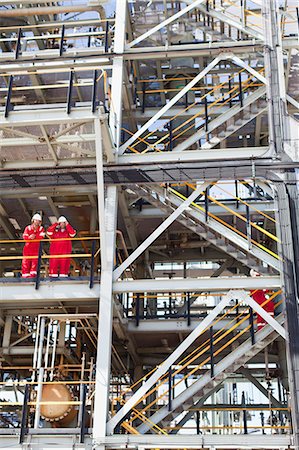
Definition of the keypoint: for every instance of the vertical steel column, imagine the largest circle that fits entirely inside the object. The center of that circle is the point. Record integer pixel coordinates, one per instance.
(40, 372)
(115, 116)
(105, 317)
(107, 220)
(286, 197)
(287, 200)
(274, 72)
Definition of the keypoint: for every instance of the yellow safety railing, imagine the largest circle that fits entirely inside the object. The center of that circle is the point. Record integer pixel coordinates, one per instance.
(233, 92)
(247, 204)
(193, 355)
(187, 109)
(204, 349)
(231, 227)
(235, 213)
(200, 351)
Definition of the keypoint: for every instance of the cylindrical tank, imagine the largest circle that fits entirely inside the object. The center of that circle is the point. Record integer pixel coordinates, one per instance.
(59, 413)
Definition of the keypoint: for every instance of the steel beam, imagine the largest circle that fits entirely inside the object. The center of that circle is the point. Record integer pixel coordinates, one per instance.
(197, 285)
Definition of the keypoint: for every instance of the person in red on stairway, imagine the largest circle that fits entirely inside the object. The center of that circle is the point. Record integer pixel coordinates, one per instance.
(33, 234)
(60, 233)
(259, 295)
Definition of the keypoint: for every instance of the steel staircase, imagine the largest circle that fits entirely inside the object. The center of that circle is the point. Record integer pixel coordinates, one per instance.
(247, 114)
(213, 32)
(222, 237)
(229, 122)
(206, 384)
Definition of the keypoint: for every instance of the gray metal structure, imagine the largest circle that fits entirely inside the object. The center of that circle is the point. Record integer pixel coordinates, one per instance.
(167, 133)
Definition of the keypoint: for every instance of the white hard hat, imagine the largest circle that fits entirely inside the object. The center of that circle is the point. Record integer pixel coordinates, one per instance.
(36, 217)
(62, 219)
(254, 273)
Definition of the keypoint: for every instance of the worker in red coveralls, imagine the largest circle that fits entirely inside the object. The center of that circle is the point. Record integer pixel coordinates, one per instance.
(259, 296)
(33, 234)
(60, 234)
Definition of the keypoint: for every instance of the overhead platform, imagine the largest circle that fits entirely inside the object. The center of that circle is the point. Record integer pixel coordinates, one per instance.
(72, 290)
(148, 442)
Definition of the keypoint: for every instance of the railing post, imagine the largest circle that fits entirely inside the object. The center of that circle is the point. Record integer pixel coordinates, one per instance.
(143, 97)
(137, 316)
(69, 93)
(197, 422)
(91, 278)
(24, 427)
(94, 92)
(18, 44)
(240, 90)
(107, 37)
(39, 263)
(262, 422)
(251, 321)
(170, 389)
(186, 96)
(230, 93)
(83, 413)
(207, 204)
(237, 193)
(89, 37)
(188, 310)
(206, 114)
(212, 351)
(127, 304)
(8, 105)
(170, 136)
(244, 413)
(248, 227)
(61, 40)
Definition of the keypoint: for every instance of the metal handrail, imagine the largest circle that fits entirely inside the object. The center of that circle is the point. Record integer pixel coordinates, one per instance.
(231, 309)
(253, 241)
(204, 351)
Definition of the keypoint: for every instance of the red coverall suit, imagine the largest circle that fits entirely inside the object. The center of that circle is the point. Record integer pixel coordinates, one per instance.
(29, 266)
(60, 266)
(260, 297)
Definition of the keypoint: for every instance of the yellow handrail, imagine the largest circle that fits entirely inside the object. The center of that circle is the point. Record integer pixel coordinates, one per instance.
(207, 348)
(204, 350)
(124, 392)
(191, 106)
(247, 204)
(270, 252)
(188, 360)
(216, 102)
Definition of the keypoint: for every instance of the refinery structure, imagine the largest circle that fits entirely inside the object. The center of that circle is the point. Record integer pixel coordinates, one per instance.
(149, 224)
